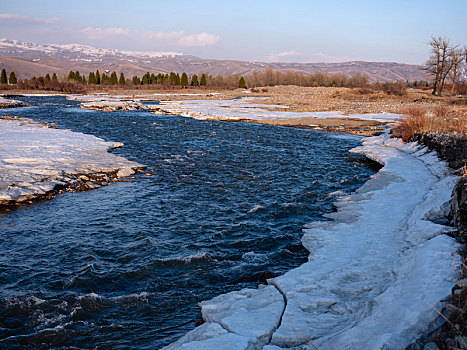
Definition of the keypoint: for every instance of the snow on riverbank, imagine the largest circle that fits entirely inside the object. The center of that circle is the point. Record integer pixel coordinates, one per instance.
(34, 159)
(376, 271)
(240, 109)
(112, 106)
(6, 103)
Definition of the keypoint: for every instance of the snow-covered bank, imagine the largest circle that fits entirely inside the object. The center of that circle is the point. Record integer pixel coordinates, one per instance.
(241, 109)
(6, 103)
(35, 160)
(376, 271)
(112, 106)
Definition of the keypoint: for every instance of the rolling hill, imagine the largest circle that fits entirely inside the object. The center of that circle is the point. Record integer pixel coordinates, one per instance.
(31, 59)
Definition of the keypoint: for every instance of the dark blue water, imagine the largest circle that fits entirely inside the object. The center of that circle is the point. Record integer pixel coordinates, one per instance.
(124, 266)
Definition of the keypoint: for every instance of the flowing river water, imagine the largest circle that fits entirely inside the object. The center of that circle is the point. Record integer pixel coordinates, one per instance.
(124, 266)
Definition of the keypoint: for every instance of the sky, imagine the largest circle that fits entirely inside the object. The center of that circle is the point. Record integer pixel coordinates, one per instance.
(254, 30)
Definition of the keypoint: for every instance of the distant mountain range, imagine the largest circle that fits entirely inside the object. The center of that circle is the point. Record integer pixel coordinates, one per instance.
(31, 59)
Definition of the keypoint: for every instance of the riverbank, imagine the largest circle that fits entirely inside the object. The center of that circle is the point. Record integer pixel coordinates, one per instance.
(451, 147)
(38, 162)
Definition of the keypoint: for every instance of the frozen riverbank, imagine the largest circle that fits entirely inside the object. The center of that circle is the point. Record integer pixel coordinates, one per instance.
(7, 103)
(36, 161)
(376, 272)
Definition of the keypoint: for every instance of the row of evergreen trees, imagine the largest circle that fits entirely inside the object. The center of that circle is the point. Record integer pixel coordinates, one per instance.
(95, 78)
(5, 80)
(147, 79)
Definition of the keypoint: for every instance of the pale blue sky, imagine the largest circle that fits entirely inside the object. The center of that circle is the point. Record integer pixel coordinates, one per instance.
(286, 31)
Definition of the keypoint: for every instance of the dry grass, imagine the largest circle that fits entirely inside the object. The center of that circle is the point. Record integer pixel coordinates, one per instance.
(440, 119)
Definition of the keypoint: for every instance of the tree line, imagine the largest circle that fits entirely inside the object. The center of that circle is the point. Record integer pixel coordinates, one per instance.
(169, 79)
(268, 77)
(444, 63)
(74, 81)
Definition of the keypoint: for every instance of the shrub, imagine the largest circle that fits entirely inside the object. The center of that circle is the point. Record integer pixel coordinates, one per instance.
(440, 111)
(396, 89)
(417, 120)
(461, 89)
(414, 121)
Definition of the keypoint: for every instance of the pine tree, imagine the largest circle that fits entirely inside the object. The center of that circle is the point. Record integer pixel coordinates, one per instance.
(177, 79)
(77, 77)
(194, 80)
(136, 80)
(71, 76)
(203, 81)
(54, 77)
(91, 78)
(241, 83)
(172, 78)
(145, 79)
(13, 79)
(113, 78)
(121, 80)
(160, 78)
(98, 77)
(3, 78)
(83, 79)
(184, 80)
(153, 79)
(47, 77)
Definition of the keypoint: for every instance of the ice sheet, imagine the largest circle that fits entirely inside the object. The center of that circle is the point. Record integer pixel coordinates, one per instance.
(34, 159)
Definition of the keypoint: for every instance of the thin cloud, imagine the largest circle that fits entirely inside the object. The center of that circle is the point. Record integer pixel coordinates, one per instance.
(275, 57)
(100, 33)
(162, 35)
(20, 19)
(201, 39)
(178, 37)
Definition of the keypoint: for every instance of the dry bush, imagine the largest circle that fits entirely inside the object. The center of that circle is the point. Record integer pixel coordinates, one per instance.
(264, 90)
(254, 90)
(461, 89)
(440, 111)
(415, 120)
(365, 91)
(395, 89)
(442, 120)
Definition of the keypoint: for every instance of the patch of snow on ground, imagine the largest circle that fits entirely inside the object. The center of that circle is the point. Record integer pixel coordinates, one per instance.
(7, 103)
(375, 274)
(34, 159)
(238, 109)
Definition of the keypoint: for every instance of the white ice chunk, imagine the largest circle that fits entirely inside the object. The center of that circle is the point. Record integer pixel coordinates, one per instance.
(34, 159)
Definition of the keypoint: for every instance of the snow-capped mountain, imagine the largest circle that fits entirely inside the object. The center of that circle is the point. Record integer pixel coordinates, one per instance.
(21, 48)
(33, 59)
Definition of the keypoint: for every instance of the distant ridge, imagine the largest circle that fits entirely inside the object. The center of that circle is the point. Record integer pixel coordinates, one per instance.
(29, 59)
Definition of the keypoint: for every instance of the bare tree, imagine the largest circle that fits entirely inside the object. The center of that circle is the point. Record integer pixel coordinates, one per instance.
(456, 57)
(438, 64)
